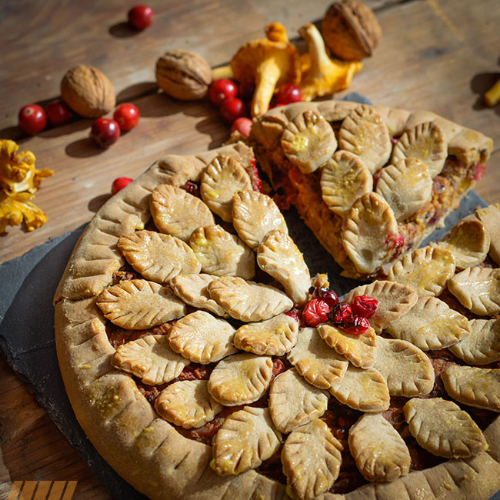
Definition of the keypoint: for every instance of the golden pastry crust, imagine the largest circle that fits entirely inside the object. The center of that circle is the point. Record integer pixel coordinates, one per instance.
(490, 217)
(293, 402)
(379, 451)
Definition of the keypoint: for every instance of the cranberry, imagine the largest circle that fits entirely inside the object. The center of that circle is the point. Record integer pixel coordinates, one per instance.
(58, 113)
(255, 176)
(191, 188)
(245, 91)
(293, 313)
(127, 115)
(120, 183)
(364, 305)
(105, 132)
(357, 325)
(140, 16)
(243, 125)
(394, 141)
(327, 295)
(288, 93)
(221, 91)
(316, 312)
(232, 110)
(479, 173)
(32, 119)
(340, 314)
(278, 367)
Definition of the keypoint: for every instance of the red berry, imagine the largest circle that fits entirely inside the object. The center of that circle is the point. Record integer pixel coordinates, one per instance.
(245, 91)
(191, 188)
(232, 110)
(327, 295)
(120, 183)
(255, 176)
(364, 305)
(316, 312)
(58, 113)
(341, 313)
(105, 132)
(221, 91)
(293, 313)
(480, 171)
(278, 367)
(243, 125)
(140, 16)
(32, 119)
(127, 115)
(288, 93)
(394, 141)
(356, 326)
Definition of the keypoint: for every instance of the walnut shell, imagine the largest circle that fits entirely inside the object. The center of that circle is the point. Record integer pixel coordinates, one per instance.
(88, 91)
(183, 74)
(351, 30)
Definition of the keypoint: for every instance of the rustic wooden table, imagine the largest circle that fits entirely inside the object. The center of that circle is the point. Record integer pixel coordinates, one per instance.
(439, 55)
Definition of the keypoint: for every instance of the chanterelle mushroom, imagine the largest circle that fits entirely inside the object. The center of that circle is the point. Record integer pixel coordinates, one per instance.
(267, 63)
(320, 74)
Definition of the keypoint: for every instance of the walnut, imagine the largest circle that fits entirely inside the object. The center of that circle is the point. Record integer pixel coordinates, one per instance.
(183, 74)
(88, 91)
(351, 30)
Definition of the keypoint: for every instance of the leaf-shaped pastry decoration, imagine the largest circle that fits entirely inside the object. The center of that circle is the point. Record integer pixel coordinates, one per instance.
(245, 440)
(394, 300)
(254, 215)
(308, 141)
(363, 390)
(406, 186)
(364, 134)
(426, 270)
(358, 349)
(425, 142)
(442, 428)
(311, 460)
(202, 338)
(406, 369)
(187, 404)
(247, 300)
(477, 289)
(482, 346)
(293, 402)
(140, 304)
(150, 359)
(344, 179)
(479, 387)
(177, 212)
(430, 324)
(469, 243)
(279, 257)
(320, 365)
(158, 257)
(273, 337)
(222, 253)
(223, 177)
(192, 289)
(368, 227)
(240, 379)
(379, 451)
(490, 217)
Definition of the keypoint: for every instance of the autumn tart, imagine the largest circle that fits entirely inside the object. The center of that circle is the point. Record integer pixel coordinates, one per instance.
(371, 182)
(204, 361)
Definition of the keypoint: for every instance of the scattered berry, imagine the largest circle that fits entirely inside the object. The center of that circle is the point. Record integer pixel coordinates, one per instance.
(191, 188)
(364, 305)
(32, 119)
(221, 91)
(255, 176)
(316, 312)
(127, 116)
(243, 125)
(246, 91)
(288, 93)
(293, 313)
(58, 113)
(394, 141)
(340, 314)
(120, 183)
(278, 367)
(480, 171)
(140, 17)
(329, 296)
(232, 110)
(105, 132)
(356, 326)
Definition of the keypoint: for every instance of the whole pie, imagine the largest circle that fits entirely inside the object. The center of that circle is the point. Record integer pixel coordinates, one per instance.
(204, 361)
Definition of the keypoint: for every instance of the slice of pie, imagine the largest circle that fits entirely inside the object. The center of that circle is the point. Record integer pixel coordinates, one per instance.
(385, 178)
(206, 385)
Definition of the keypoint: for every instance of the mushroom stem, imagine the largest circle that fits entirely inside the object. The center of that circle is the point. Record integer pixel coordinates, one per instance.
(222, 72)
(492, 97)
(266, 78)
(317, 50)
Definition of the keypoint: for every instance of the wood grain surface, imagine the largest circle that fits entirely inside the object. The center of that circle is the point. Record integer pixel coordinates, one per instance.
(438, 55)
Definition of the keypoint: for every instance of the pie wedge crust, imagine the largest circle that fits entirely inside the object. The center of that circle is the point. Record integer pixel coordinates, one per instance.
(147, 450)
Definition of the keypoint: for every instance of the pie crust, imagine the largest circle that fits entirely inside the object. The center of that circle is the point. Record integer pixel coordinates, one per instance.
(145, 448)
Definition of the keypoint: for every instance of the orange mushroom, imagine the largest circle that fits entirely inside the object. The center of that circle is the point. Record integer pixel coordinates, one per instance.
(267, 63)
